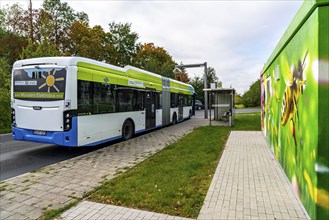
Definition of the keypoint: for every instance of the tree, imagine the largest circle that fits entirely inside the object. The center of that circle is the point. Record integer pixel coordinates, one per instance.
(211, 76)
(5, 118)
(251, 98)
(238, 99)
(61, 19)
(88, 42)
(44, 49)
(198, 85)
(182, 75)
(154, 59)
(198, 82)
(124, 43)
(11, 46)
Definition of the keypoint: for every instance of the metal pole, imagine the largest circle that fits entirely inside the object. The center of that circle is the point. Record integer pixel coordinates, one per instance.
(210, 94)
(205, 92)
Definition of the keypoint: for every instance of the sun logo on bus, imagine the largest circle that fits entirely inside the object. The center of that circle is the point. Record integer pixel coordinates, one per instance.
(51, 80)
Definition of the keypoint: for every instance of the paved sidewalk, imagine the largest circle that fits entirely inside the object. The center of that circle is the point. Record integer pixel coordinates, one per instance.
(249, 183)
(27, 196)
(93, 210)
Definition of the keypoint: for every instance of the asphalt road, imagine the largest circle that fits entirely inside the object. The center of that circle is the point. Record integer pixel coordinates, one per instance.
(18, 157)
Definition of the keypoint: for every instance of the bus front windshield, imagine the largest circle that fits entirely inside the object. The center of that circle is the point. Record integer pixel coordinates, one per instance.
(39, 84)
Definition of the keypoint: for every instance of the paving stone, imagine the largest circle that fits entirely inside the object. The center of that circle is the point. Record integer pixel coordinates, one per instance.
(248, 182)
(248, 163)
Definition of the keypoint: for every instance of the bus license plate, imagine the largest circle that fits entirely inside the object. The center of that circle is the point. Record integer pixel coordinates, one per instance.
(39, 132)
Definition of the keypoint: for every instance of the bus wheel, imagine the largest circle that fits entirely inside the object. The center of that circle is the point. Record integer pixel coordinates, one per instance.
(127, 130)
(174, 119)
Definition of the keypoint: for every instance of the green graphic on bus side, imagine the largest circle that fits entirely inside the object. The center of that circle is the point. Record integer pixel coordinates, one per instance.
(95, 73)
(39, 95)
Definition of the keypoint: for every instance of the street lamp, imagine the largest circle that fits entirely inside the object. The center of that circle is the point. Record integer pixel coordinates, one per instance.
(178, 70)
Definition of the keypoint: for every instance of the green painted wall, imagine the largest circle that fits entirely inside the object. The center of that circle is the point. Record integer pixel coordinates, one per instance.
(295, 117)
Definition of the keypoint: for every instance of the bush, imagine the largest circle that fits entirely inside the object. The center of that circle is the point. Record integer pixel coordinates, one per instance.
(5, 110)
(251, 98)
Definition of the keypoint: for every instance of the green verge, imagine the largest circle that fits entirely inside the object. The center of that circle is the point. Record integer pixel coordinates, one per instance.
(53, 213)
(174, 181)
(239, 106)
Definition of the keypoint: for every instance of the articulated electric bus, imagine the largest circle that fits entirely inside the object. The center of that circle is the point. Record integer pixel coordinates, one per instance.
(74, 101)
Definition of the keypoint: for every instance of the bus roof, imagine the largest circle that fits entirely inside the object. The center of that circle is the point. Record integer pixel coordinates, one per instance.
(73, 61)
(62, 61)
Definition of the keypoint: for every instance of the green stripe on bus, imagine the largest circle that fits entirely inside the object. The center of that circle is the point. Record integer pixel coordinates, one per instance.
(89, 72)
(100, 68)
(39, 95)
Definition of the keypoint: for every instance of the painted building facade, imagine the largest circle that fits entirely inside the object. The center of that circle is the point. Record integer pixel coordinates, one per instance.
(295, 105)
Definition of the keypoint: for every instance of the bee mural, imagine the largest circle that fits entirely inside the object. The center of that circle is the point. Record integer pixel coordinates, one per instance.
(294, 88)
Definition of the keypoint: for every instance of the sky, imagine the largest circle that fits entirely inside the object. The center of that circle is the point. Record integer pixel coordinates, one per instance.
(234, 37)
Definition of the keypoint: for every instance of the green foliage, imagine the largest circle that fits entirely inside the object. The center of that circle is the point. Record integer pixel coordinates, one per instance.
(44, 49)
(62, 16)
(88, 42)
(252, 97)
(211, 76)
(198, 82)
(11, 46)
(5, 110)
(238, 99)
(198, 85)
(154, 59)
(124, 42)
(239, 106)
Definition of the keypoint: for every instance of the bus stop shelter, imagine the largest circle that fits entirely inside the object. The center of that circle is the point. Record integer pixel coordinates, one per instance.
(222, 101)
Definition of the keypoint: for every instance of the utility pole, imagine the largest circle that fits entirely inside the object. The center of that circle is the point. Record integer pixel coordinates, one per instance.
(31, 21)
(205, 81)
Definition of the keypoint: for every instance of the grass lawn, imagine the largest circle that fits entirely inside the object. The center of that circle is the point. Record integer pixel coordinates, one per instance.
(174, 181)
(239, 106)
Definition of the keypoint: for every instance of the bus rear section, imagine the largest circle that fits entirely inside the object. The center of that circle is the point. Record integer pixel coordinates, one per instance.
(40, 112)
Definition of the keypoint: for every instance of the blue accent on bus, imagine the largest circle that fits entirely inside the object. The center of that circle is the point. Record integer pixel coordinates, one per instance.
(68, 138)
(140, 131)
(103, 141)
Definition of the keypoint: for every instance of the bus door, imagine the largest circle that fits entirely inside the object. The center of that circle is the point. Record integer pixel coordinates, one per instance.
(180, 107)
(150, 109)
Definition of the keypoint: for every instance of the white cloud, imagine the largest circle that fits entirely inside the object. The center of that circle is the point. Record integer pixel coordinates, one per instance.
(234, 37)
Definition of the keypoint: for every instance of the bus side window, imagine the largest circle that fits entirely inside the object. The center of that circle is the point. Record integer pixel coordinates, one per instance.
(189, 100)
(109, 98)
(85, 95)
(173, 100)
(125, 100)
(103, 98)
(185, 100)
(157, 100)
(160, 100)
(138, 101)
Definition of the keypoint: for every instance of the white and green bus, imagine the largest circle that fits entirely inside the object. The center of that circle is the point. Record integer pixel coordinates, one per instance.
(74, 101)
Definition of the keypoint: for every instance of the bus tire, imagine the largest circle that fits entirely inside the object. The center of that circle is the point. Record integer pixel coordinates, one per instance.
(127, 129)
(174, 119)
